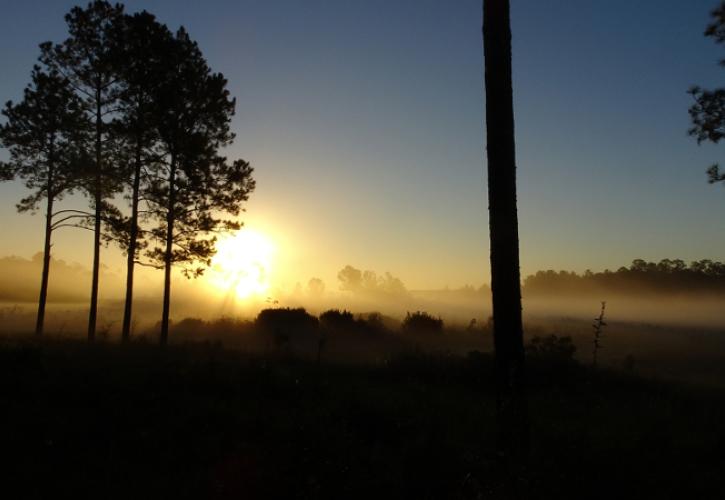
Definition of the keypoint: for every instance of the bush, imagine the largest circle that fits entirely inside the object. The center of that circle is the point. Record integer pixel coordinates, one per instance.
(374, 322)
(422, 323)
(188, 326)
(286, 324)
(338, 321)
(551, 348)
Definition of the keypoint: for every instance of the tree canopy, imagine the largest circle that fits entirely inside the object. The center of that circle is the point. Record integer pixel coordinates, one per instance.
(708, 112)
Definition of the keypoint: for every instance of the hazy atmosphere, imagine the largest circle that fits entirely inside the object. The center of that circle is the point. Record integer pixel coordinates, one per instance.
(331, 249)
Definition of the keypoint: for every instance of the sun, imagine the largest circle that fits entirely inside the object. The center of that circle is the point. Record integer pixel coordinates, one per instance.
(242, 264)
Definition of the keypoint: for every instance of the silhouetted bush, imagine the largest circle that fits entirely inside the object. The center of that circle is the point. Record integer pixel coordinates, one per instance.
(551, 348)
(188, 326)
(422, 323)
(286, 324)
(375, 322)
(338, 321)
(229, 326)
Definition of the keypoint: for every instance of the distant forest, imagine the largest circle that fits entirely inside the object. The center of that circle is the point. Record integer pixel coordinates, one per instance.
(665, 277)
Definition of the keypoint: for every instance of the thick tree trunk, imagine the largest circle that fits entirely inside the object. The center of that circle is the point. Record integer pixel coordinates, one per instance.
(132, 245)
(98, 199)
(42, 299)
(503, 221)
(168, 254)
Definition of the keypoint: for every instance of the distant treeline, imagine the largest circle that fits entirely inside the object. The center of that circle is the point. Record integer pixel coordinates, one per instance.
(642, 277)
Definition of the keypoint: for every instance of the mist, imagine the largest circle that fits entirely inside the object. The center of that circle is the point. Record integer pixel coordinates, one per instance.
(634, 300)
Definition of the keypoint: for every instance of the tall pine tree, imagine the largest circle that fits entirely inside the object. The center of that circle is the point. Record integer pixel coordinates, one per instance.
(503, 227)
(199, 188)
(42, 133)
(88, 59)
(143, 45)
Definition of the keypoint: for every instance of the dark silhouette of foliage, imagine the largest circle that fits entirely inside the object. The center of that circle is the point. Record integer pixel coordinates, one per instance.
(151, 120)
(285, 324)
(338, 321)
(669, 276)
(708, 112)
(196, 187)
(41, 135)
(421, 323)
(286, 318)
(375, 322)
(503, 228)
(88, 59)
(551, 348)
(142, 48)
(369, 283)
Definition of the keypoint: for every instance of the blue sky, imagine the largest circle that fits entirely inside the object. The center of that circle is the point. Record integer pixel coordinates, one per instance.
(364, 121)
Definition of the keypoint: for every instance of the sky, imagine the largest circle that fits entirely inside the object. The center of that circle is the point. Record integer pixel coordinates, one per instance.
(364, 123)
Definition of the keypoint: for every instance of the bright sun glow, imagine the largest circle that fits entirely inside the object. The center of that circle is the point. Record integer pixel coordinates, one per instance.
(242, 264)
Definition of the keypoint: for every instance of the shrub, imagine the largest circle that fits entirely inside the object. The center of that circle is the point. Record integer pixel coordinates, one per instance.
(374, 322)
(286, 324)
(338, 321)
(188, 326)
(422, 323)
(551, 348)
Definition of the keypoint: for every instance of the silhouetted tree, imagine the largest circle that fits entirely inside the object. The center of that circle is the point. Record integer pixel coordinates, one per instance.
(708, 112)
(198, 186)
(350, 279)
(503, 226)
(368, 282)
(41, 134)
(669, 276)
(316, 287)
(88, 58)
(143, 44)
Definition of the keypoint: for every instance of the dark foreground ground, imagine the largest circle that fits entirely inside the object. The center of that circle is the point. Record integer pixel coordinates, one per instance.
(111, 421)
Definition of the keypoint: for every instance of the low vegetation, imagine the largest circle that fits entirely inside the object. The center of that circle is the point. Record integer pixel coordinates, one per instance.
(199, 421)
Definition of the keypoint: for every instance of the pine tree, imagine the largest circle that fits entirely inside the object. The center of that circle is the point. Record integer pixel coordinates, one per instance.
(88, 59)
(503, 226)
(42, 133)
(708, 112)
(143, 47)
(199, 186)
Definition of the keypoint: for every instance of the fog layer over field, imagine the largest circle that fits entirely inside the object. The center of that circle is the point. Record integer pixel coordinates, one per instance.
(633, 295)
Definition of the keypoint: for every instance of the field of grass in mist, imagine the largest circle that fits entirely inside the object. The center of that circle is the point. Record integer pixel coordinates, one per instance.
(678, 338)
(311, 404)
(201, 421)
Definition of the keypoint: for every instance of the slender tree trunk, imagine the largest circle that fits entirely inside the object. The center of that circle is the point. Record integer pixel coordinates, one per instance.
(132, 245)
(98, 199)
(168, 254)
(503, 222)
(40, 321)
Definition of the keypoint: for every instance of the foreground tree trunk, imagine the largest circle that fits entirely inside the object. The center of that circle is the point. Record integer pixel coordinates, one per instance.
(42, 299)
(168, 254)
(132, 246)
(503, 223)
(98, 201)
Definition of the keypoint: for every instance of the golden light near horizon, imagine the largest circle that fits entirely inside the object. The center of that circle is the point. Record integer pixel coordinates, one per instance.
(242, 264)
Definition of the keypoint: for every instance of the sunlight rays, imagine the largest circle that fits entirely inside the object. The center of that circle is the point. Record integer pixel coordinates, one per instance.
(242, 265)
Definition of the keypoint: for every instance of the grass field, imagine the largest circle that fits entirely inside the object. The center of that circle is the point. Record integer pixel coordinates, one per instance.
(198, 421)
